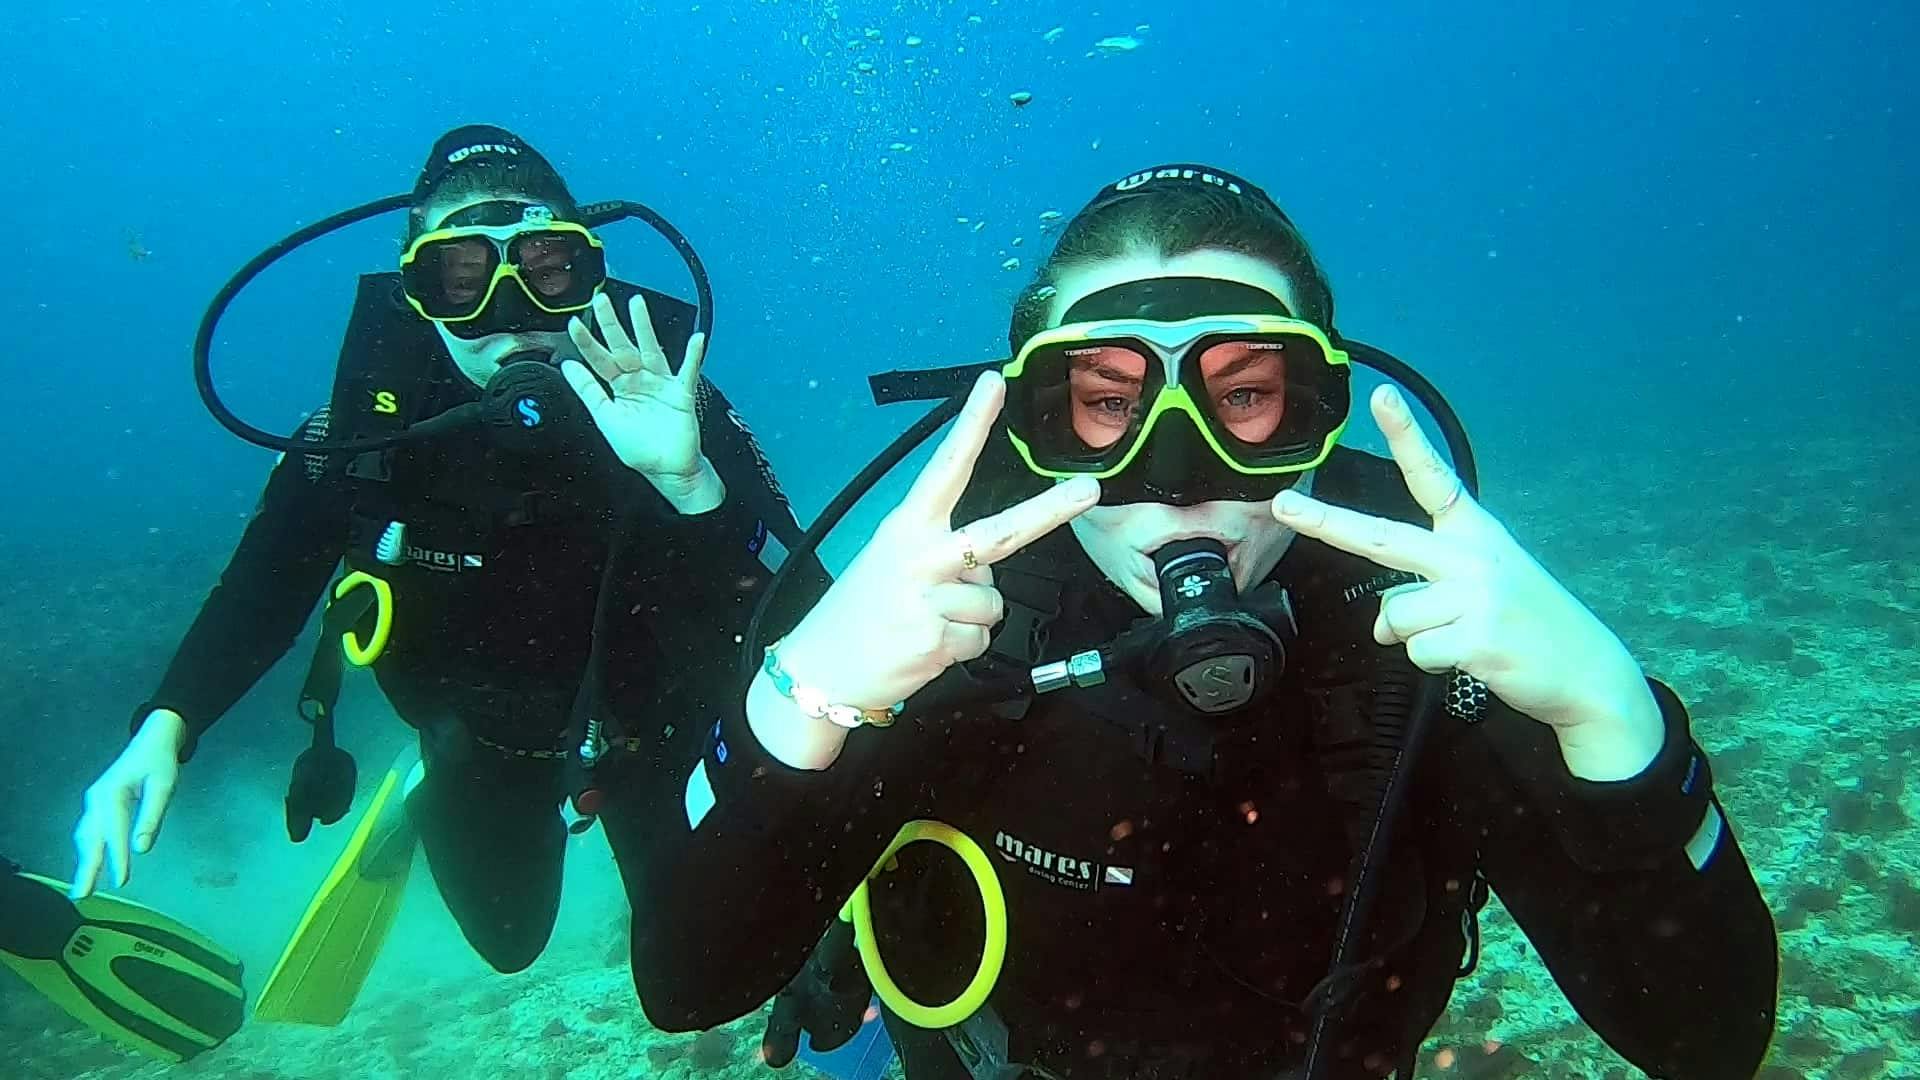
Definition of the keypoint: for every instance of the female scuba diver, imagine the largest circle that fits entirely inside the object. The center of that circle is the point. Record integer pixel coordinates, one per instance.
(475, 532)
(1283, 713)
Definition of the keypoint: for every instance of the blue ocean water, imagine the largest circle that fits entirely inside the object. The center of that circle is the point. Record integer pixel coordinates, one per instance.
(1661, 260)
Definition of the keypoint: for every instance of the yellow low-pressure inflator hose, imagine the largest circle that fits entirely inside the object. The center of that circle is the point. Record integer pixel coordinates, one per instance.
(859, 911)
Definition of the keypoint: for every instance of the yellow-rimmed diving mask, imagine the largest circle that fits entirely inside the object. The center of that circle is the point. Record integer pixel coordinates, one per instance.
(452, 275)
(1178, 390)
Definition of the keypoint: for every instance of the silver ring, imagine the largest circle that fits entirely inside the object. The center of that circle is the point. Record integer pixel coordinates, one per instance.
(1459, 489)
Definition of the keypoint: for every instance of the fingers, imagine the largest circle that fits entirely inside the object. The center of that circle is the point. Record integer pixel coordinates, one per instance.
(608, 323)
(645, 343)
(591, 350)
(1432, 482)
(981, 574)
(944, 478)
(621, 355)
(585, 387)
(691, 363)
(102, 835)
(89, 855)
(1441, 650)
(1425, 616)
(1390, 543)
(1406, 610)
(964, 641)
(155, 797)
(974, 605)
(996, 537)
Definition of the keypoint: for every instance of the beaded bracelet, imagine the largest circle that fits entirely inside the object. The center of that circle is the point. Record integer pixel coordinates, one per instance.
(815, 704)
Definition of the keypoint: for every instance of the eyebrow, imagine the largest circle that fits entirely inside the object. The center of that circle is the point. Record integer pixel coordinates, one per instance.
(1105, 370)
(1243, 362)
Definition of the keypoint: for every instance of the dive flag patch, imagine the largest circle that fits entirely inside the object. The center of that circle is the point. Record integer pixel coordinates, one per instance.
(1119, 875)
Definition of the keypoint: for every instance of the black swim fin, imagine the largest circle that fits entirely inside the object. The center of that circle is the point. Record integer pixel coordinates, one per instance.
(123, 969)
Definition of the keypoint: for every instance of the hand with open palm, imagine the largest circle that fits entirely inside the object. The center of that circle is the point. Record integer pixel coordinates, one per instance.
(646, 408)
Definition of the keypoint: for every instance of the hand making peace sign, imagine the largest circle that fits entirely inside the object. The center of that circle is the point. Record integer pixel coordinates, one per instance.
(919, 597)
(1486, 607)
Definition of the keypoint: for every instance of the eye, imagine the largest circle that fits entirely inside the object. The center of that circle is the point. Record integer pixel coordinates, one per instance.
(1243, 397)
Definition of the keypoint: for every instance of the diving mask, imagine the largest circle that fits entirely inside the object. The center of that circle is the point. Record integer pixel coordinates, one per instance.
(1178, 390)
(452, 275)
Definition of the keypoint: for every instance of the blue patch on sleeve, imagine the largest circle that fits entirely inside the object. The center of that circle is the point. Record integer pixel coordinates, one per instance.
(759, 539)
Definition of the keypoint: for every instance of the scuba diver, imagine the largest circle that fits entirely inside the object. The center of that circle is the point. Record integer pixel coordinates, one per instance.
(1231, 763)
(504, 416)
(123, 969)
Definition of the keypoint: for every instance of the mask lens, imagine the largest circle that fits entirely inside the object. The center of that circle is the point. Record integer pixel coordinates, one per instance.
(1245, 383)
(1079, 405)
(560, 269)
(1264, 396)
(449, 278)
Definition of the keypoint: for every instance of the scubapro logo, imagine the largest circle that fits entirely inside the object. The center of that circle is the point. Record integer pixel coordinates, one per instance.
(466, 152)
(528, 409)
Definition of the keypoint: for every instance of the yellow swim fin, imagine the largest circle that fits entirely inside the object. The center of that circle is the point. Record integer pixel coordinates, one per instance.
(340, 936)
(123, 969)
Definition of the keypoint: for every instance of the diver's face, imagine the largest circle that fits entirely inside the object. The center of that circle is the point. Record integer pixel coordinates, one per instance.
(1121, 540)
(465, 276)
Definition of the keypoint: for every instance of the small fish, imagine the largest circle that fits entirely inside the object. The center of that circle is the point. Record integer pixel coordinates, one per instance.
(1010, 264)
(1117, 44)
(913, 42)
(1020, 98)
(1053, 35)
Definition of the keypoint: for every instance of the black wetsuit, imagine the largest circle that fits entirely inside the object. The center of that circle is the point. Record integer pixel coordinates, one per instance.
(1169, 921)
(494, 608)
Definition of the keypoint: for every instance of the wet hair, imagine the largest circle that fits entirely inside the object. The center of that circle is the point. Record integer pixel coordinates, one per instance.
(479, 162)
(1172, 221)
